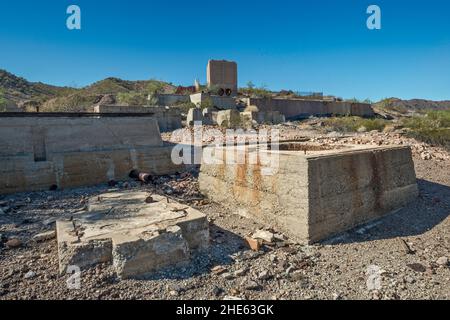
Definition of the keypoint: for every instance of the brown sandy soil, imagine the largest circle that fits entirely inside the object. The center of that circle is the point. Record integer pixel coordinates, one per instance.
(409, 247)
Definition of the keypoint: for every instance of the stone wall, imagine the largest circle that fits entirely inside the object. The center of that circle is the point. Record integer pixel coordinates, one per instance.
(39, 151)
(315, 194)
(297, 108)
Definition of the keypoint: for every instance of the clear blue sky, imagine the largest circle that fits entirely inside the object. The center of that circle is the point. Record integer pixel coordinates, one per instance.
(320, 45)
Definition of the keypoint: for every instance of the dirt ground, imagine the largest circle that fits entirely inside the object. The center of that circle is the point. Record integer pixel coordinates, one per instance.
(409, 249)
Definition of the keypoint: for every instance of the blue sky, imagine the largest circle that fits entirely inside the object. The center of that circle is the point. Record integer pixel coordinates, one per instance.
(320, 45)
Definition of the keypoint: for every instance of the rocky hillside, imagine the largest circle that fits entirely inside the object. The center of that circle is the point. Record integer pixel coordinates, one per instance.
(397, 108)
(29, 95)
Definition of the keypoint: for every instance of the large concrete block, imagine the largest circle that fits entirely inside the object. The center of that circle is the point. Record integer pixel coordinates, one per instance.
(37, 152)
(316, 191)
(136, 234)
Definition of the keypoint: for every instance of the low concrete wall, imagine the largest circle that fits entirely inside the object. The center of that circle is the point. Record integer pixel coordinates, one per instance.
(296, 109)
(315, 195)
(37, 152)
(169, 119)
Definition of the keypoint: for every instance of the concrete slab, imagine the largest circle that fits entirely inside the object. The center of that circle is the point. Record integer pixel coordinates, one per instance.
(316, 190)
(137, 232)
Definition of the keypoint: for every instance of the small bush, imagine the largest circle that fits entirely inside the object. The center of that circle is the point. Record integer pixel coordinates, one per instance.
(185, 106)
(132, 98)
(353, 124)
(433, 127)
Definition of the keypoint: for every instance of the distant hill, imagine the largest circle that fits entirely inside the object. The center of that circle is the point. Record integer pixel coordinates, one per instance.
(399, 107)
(29, 95)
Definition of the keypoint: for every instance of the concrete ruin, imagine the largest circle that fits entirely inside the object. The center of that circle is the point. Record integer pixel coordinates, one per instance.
(48, 151)
(223, 75)
(317, 191)
(194, 115)
(138, 233)
(229, 119)
(169, 119)
(294, 109)
(261, 117)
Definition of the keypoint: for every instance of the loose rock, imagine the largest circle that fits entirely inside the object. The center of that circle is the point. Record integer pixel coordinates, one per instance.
(442, 261)
(13, 243)
(45, 236)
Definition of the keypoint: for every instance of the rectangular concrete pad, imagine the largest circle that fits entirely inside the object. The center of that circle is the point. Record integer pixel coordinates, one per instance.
(137, 237)
(317, 193)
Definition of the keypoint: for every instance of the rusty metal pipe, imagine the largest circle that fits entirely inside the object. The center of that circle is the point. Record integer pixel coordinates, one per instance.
(140, 176)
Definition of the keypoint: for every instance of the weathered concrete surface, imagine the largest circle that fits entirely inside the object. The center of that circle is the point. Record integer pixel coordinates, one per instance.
(37, 152)
(229, 118)
(297, 108)
(315, 195)
(169, 119)
(194, 115)
(137, 235)
(271, 117)
(223, 74)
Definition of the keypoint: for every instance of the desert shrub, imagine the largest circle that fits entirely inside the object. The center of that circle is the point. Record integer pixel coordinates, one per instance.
(185, 106)
(132, 98)
(206, 103)
(2, 101)
(256, 92)
(353, 124)
(432, 127)
(355, 100)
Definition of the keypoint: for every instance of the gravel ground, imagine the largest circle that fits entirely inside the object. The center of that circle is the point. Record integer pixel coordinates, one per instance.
(409, 249)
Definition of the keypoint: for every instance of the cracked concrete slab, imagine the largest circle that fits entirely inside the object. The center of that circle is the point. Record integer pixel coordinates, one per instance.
(138, 232)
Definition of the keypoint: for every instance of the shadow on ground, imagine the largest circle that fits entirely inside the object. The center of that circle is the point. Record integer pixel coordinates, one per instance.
(224, 244)
(427, 211)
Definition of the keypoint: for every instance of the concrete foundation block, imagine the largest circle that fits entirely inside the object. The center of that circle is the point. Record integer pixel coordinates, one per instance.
(314, 191)
(137, 233)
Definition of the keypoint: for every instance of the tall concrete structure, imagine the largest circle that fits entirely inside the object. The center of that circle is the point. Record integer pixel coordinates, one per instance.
(222, 75)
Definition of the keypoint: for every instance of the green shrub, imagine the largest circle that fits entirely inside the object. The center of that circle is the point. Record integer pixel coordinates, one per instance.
(353, 124)
(132, 98)
(432, 127)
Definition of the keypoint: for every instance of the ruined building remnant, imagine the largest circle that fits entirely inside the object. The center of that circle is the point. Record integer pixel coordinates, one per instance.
(315, 191)
(39, 151)
(137, 236)
(222, 75)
